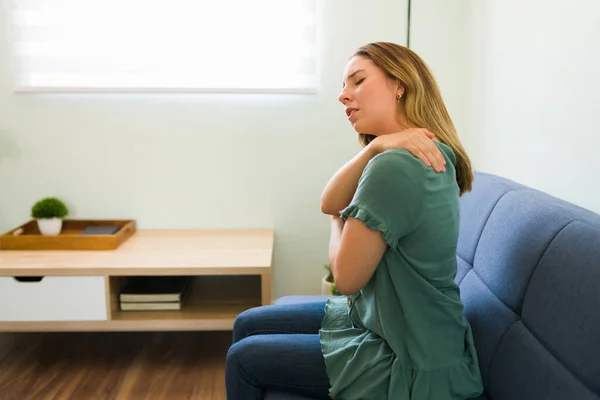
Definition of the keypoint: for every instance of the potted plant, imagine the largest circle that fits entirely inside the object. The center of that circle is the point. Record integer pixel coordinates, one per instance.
(49, 213)
(328, 287)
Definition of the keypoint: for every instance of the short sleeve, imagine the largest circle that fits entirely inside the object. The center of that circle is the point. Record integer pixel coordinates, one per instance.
(390, 195)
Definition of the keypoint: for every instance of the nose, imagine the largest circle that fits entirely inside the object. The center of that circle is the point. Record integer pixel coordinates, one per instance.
(344, 97)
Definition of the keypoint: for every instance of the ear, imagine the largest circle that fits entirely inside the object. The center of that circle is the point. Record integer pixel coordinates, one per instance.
(400, 89)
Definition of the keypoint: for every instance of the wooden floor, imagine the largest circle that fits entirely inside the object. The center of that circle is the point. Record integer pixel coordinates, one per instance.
(107, 366)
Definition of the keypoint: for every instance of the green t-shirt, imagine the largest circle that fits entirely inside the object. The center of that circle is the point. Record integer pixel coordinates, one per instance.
(403, 336)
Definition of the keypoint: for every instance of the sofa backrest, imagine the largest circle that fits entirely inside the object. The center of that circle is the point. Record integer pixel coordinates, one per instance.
(529, 275)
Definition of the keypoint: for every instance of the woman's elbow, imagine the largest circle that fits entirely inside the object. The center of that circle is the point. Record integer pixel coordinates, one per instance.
(346, 288)
(326, 208)
(330, 209)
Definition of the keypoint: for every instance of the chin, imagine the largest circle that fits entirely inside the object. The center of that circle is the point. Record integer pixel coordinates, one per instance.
(364, 129)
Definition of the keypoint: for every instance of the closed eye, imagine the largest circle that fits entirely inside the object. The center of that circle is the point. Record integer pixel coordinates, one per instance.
(359, 81)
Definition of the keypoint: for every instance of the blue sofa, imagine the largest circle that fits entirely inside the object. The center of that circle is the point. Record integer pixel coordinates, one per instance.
(529, 275)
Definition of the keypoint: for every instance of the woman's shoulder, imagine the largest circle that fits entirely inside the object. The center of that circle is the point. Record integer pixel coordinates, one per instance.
(393, 168)
(393, 160)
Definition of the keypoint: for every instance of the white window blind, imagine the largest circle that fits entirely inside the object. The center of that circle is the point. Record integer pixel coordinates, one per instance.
(164, 45)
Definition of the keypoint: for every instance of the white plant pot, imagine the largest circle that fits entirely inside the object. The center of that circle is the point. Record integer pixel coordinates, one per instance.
(326, 287)
(50, 226)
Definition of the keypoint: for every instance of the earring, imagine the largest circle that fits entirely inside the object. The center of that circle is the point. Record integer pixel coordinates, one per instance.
(399, 95)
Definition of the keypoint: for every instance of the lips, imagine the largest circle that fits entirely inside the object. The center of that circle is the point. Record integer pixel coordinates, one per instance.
(350, 111)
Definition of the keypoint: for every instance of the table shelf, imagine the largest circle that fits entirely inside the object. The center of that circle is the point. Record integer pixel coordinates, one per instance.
(230, 273)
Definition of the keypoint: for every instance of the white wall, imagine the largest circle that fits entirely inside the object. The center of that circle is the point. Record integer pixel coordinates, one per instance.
(438, 35)
(534, 94)
(521, 82)
(196, 161)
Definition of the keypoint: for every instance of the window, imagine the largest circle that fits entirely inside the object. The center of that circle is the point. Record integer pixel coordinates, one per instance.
(164, 45)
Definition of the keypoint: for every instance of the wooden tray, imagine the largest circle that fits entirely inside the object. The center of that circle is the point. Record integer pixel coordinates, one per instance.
(28, 237)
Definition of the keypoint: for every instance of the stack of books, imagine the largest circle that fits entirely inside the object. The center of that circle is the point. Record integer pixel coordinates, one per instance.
(153, 293)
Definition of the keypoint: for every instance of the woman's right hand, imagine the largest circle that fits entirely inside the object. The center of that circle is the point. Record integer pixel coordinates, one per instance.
(418, 141)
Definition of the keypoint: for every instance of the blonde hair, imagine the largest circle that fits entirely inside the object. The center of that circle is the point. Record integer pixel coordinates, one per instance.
(423, 103)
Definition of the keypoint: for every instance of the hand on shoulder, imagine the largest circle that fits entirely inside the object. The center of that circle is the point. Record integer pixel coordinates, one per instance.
(418, 141)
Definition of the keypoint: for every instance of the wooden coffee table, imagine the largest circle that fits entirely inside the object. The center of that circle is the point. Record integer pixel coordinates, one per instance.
(78, 290)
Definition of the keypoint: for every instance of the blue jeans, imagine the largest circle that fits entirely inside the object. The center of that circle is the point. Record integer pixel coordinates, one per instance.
(277, 347)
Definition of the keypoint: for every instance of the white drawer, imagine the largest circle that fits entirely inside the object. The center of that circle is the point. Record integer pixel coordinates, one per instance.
(54, 298)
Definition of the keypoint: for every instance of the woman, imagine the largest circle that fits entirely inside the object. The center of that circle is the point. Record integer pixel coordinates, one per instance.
(398, 332)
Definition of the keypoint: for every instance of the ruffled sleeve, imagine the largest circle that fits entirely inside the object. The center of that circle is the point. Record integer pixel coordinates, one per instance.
(389, 196)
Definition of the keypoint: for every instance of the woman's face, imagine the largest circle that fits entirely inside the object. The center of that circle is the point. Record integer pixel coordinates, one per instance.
(370, 98)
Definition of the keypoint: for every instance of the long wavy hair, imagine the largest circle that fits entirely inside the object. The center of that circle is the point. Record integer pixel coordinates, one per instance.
(422, 101)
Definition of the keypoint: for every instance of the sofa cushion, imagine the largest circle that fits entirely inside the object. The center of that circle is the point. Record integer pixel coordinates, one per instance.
(554, 352)
(489, 319)
(515, 236)
(531, 292)
(476, 207)
(563, 300)
(524, 369)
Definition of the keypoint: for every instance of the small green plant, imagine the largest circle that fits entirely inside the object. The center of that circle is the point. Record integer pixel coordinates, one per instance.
(49, 207)
(329, 278)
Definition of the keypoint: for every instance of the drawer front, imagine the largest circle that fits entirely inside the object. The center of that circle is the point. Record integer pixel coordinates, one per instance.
(53, 298)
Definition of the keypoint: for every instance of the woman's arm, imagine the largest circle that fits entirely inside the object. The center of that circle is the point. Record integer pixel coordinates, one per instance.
(354, 253)
(341, 187)
(343, 183)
